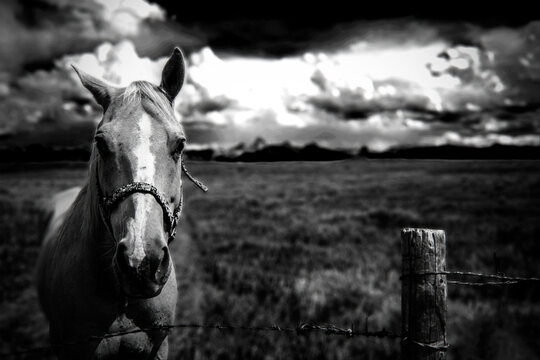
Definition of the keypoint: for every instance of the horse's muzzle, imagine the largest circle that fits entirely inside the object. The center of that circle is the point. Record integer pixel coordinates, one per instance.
(142, 279)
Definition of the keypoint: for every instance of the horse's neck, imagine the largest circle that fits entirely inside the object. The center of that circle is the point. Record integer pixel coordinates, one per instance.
(85, 232)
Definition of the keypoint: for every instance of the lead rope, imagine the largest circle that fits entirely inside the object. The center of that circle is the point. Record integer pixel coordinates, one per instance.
(193, 180)
(178, 211)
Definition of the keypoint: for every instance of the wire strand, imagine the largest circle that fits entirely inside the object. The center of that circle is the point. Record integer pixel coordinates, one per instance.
(302, 329)
(504, 279)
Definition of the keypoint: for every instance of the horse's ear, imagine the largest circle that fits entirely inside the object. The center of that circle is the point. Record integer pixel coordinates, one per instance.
(98, 88)
(173, 74)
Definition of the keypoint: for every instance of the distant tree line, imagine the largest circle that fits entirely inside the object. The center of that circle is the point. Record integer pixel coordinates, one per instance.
(287, 152)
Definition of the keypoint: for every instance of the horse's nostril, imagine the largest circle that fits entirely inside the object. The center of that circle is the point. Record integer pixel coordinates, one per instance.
(121, 257)
(162, 271)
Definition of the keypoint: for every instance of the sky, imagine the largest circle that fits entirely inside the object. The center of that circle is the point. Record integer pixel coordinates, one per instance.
(382, 77)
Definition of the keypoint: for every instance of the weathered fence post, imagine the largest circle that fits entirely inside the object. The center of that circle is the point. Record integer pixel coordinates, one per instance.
(423, 295)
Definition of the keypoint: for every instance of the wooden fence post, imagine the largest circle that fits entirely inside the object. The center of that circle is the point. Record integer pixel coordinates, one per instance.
(423, 297)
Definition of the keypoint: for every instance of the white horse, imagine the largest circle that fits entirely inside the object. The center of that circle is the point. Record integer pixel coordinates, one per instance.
(105, 265)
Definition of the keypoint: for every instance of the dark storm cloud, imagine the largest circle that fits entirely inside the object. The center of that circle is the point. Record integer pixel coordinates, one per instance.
(156, 38)
(206, 105)
(514, 120)
(278, 28)
(352, 107)
(34, 33)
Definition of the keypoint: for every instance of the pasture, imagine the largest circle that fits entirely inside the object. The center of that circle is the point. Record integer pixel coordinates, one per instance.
(285, 243)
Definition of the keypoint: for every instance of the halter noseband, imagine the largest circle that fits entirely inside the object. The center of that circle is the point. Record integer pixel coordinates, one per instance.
(107, 203)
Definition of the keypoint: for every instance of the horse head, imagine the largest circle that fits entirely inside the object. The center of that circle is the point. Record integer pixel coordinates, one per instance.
(137, 157)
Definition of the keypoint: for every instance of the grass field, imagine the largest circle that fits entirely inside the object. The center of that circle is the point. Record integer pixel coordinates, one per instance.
(286, 243)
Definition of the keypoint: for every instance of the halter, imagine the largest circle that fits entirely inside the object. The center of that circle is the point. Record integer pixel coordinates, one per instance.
(107, 203)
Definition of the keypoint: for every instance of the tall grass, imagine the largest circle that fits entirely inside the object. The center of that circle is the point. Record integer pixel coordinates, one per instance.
(319, 243)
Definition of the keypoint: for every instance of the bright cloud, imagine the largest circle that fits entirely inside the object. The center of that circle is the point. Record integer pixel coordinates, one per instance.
(454, 138)
(119, 64)
(125, 16)
(286, 86)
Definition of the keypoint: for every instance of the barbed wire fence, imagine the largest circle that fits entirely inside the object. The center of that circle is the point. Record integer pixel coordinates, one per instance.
(414, 239)
(301, 330)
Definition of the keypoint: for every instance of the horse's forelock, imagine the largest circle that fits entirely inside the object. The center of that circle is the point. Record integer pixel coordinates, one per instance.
(139, 90)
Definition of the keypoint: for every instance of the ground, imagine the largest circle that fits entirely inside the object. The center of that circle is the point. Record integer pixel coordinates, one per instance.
(318, 242)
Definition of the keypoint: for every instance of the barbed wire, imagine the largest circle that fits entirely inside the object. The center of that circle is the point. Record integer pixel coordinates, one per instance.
(486, 276)
(302, 329)
(504, 279)
(438, 346)
(487, 283)
(247, 270)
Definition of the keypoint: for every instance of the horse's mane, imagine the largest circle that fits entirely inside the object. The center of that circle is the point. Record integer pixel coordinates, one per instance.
(92, 196)
(85, 207)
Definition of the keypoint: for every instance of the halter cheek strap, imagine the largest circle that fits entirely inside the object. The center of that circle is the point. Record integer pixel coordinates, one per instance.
(107, 203)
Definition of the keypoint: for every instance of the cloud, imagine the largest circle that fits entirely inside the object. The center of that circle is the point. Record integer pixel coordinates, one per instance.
(414, 86)
(382, 87)
(117, 63)
(34, 33)
(455, 138)
(125, 17)
(352, 83)
(396, 91)
(379, 132)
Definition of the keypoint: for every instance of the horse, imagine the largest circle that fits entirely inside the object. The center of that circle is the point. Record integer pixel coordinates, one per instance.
(105, 266)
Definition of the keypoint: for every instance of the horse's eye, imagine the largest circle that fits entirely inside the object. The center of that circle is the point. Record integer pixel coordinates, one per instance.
(102, 145)
(179, 147)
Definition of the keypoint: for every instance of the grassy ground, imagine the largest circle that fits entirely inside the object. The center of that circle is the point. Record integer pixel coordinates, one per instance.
(319, 243)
